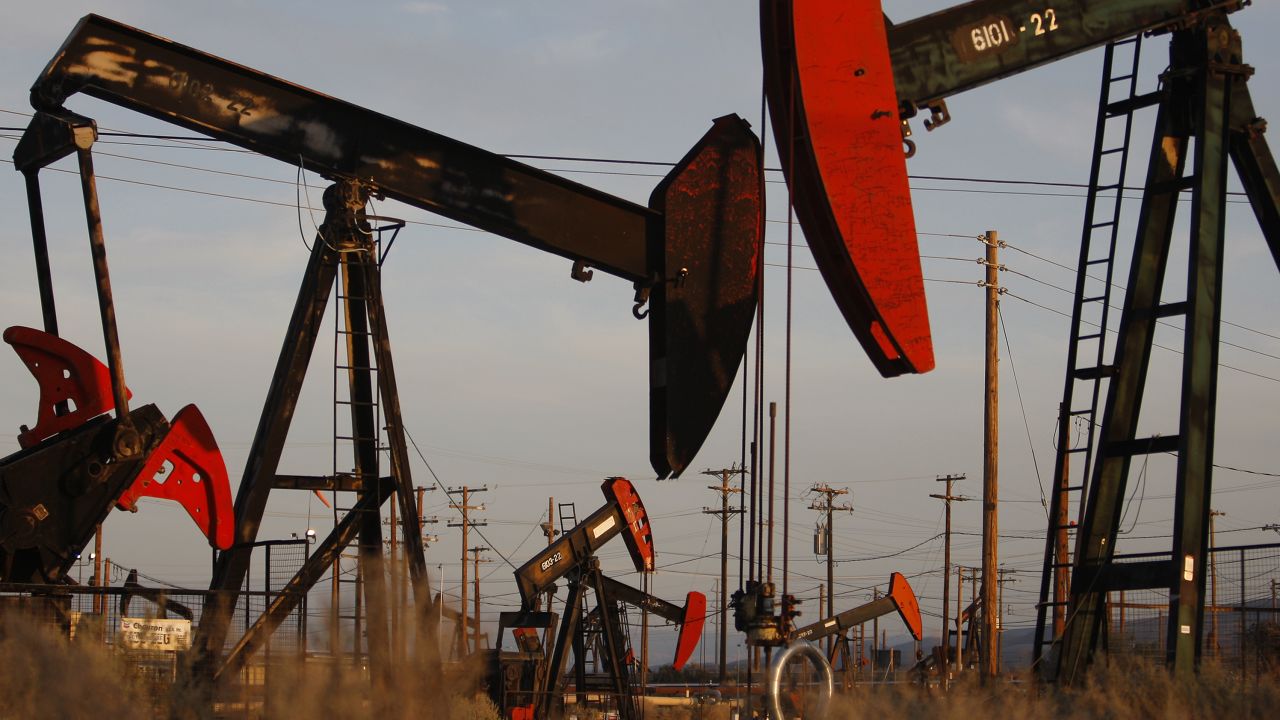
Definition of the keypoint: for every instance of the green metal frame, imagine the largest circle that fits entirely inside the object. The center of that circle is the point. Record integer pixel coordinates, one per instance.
(1206, 100)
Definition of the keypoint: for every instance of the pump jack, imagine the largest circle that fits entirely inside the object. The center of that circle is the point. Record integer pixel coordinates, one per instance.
(692, 256)
(78, 462)
(900, 599)
(530, 682)
(853, 201)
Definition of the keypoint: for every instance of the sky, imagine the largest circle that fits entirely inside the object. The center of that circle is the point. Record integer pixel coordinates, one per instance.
(515, 378)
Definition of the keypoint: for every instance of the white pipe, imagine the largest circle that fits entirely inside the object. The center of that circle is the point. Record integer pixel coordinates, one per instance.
(773, 685)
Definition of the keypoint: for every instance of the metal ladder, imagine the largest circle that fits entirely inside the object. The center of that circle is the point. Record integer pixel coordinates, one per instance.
(1087, 354)
(357, 416)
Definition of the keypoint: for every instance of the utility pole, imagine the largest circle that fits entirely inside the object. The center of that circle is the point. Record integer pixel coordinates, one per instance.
(99, 600)
(476, 559)
(959, 618)
(1061, 548)
(464, 507)
(725, 512)
(646, 584)
(549, 527)
(990, 462)
(1214, 645)
(825, 504)
(996, 642)
(947, 498)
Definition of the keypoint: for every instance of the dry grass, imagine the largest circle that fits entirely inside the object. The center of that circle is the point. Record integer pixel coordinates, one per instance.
(1129, 691)
(45, 675)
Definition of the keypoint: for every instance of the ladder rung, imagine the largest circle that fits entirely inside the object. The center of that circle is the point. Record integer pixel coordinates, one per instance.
(356, 403)
(1118, 78)
(1078, 450)
(1095, 298)
(1095, 373)
(1137, 102)
(1113, 151)
(355, 367)
(1091, 336)
(1104, 223)
(1099, 261)
(364, 333)
(1108, 186)
(1171, 309)
(1143, 446)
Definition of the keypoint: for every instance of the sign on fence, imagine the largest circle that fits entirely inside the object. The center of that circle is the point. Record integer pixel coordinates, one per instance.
(145, 634)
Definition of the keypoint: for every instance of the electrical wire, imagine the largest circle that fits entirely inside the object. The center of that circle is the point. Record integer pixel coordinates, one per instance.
(1025, 422)
(436, 479)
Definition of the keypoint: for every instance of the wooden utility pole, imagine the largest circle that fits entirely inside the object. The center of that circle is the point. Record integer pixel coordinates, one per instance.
(99, 600)
(990, 463)
(1215, 646)
(724, 512)
(997, 639)
(464, 507)
(647, 584)
(1061, 547)
(476, 560)
(549, 527)
(947, 498)
(825, 504)
(959, 618)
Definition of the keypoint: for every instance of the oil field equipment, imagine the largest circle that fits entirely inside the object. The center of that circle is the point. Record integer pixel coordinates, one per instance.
(89, 452)
(842, 84)
(693, 256)
(900, 599)
(529, 682)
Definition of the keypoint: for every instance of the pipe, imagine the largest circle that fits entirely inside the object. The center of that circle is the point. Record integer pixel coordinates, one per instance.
(773, 682)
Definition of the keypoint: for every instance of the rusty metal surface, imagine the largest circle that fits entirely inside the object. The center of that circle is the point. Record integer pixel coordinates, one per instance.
(977, 42)
(695, 250)
(834, 112)
(273, 117)
(711, 206)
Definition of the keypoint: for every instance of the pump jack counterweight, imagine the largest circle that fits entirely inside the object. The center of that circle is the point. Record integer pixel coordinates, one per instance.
(856, 216)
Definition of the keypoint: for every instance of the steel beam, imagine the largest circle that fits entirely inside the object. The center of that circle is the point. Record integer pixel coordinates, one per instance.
(1219, 63)
(273, 427)
(966, 46)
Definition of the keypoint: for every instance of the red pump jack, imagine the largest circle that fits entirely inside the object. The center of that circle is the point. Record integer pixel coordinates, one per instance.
(527, 683)
(77, 462)
(900, 599)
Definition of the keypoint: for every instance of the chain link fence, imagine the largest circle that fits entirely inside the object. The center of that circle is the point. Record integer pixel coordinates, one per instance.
(1241, 621)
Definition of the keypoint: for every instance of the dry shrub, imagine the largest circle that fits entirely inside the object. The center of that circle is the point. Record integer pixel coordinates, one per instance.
(1118, 691)
(45, 675)
(317, 689)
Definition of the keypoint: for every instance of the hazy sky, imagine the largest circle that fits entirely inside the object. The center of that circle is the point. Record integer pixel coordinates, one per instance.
(514, 377)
